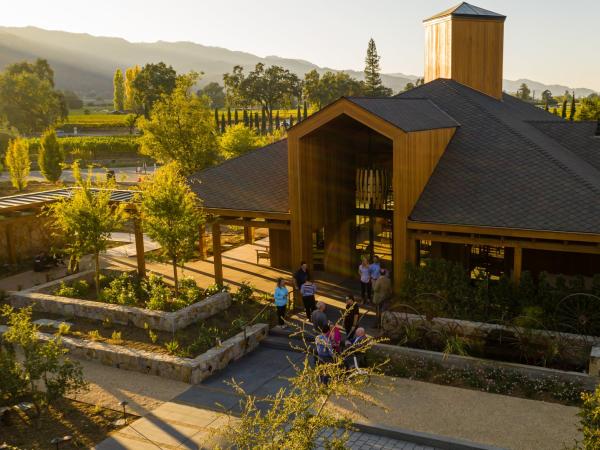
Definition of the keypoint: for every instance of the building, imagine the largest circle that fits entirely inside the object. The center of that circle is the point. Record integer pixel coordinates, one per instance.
(454, 168)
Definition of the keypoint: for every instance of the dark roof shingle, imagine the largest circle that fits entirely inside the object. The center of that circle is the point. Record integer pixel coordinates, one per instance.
(465, 9)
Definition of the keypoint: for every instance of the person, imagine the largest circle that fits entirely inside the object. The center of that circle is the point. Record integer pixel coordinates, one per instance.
(319, 318)
(382, 293)
(374, 271)
(324, 351)
(308, 291)
(281, 300)
(364, 272)
(335, 338)
(351, 316)
(359, 339)
(300, 277)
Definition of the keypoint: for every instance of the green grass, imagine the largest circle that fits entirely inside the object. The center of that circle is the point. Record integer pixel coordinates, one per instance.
(96, 120)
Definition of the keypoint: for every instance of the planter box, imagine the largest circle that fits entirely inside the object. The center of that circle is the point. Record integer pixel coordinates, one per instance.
(189, 370)
(39, 297)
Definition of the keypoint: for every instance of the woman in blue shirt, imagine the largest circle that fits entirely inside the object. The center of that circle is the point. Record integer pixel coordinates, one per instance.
(281, 301)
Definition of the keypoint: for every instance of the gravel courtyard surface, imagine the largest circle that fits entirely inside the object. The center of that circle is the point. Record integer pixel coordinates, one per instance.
(497, 420)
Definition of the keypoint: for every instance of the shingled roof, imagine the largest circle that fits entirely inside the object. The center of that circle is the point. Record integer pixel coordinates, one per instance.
(465, 9)
(501, 170)
(408, 114)
(255, 181)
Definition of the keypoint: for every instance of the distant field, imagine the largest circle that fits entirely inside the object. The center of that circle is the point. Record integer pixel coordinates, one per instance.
(96, 120)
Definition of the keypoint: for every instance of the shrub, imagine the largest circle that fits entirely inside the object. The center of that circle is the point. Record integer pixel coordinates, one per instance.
(77, 289)
(172, 347)
(590, 420)
(244, 293)
(189, 292)
(116, 337)
(64, 328)
(91, 147)
(158, 293)
(94, 335)
(123, 290)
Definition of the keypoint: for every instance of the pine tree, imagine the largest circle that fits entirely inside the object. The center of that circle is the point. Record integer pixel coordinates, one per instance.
(216, 119)
(563, 114)
(50, 157)
(305, 114)
(256, 123)
(119, 91)
(223, 123)
(373, 84)
(573, 107)
(228, 116)
(277, 121)
(235, 117)
(298, 114)
(263, 121)
(18, 163)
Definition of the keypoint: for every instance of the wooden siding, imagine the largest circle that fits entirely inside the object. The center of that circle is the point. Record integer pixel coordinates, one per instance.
(415, 157)
(280, 249)
(467, 50)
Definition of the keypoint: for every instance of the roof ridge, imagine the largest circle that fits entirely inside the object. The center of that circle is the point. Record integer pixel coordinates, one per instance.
(591, 182)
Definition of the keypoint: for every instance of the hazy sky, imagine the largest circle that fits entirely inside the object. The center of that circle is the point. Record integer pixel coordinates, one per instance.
(553, 41)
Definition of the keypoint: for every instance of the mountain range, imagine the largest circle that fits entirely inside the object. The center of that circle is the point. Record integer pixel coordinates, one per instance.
(86, 64)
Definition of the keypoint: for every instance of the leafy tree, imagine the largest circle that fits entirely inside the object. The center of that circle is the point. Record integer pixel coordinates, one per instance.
(563, 113)
(152, 82)
(573, 107)
(131, 121)
(320, 91)
(222, 123)
(180, 128)
(237, 140)
(524, 93)
(119, 91)
(228, 116)
(72, 100)
(215, 93)
(28, 99)
(18, 163)
(268, 87)
(132, 101)
(50, 157)
(547, 97)
(589, 108)
(46, 370)
(373, 85)
(87, 217)
(304, 112)
(171, 214)
(409, 86)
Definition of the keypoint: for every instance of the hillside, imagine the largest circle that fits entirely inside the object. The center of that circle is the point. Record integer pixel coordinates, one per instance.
(86, 63)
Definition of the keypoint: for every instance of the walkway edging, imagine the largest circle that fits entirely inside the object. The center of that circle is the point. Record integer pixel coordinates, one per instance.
(417, 437)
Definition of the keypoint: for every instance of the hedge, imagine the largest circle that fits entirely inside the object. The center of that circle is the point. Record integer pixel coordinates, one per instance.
(92, 146)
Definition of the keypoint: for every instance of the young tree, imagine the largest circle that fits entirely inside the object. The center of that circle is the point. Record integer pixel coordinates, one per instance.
(573, 108)
(228, 116)
(373, 85)
(547, 97)
(563, 113)
(222, 123)
(217, 126)
(45, 373)
(88, 217)
(236, 118)
(132, 102)
(18, 163)
(118, 91)
(50, 157)
(171, 214)
(304, 112)
(131, 121)
(152, 82)
(589, 108)
(180, 129)
(237, 140)
(28, 99)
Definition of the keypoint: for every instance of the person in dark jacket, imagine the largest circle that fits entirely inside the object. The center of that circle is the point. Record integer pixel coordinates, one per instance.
(308, 291)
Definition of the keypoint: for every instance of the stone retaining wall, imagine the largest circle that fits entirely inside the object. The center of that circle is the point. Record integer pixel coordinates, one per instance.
(44, 301)
(396, 352)
(189, 370)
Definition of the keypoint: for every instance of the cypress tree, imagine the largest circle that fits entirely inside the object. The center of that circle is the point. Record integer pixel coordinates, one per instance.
(277, 121)
(228, 116)
(546, 107)
(245, 115)
(235, 117)
(223, 123)
(573, 107)
(298, 114)
(256, 124)
(555, 111)
(119, 91)
(216, 118)
(271, 121)
(50, 157)
(305, 115)
(291, 121)
(263, 121)
(563, 114)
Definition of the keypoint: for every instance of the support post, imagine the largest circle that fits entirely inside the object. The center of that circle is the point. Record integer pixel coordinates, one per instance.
(218, 261)
(202, 241)
(517, 265)
(139, 246)
(248, 235)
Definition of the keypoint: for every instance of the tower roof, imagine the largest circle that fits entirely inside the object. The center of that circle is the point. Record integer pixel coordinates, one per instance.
(465, 9)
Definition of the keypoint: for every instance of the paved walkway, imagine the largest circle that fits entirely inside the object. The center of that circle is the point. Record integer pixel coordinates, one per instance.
(192, 419)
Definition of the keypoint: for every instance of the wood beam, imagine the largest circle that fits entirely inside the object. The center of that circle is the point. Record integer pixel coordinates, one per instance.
(246, 213)
(218, 260)
(517, 265)
(502, 242)
(202, 241)
(248, 234)
(255, 224)
(139, 246)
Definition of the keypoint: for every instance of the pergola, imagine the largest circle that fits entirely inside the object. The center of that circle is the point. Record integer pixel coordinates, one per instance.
(13, 206)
